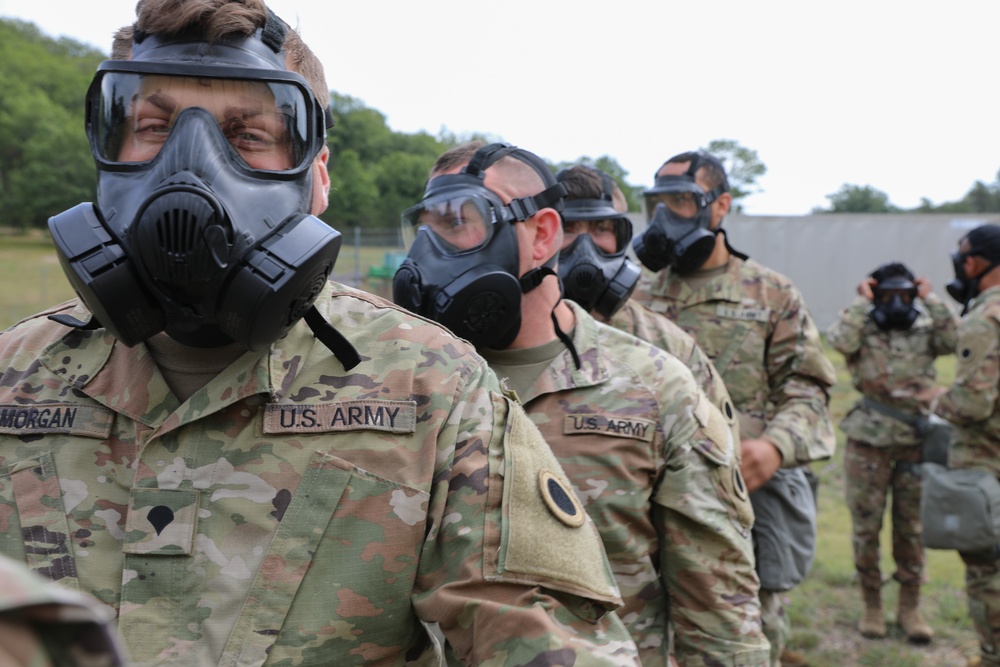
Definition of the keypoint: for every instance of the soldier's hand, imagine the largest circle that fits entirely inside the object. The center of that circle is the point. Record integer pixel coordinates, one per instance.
(865, 288)
(761, 460)
(923, 287)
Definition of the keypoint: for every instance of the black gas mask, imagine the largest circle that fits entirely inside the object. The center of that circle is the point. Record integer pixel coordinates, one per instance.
(678, 234)
(202, 226)
(962, 288)
(462, 268)
(598, 280)
(894, 306)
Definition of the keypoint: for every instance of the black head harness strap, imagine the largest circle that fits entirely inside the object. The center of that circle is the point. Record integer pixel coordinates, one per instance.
(551, 197)
(525, 207)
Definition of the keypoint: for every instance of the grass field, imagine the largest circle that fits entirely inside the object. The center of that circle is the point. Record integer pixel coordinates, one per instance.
(824, 609)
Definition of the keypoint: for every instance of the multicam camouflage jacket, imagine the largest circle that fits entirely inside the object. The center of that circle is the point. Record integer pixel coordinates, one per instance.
(654, 463)
(638, 320)
(43, 624)
(972, 403)
(895, 368)
(294, 513)
(753, 324)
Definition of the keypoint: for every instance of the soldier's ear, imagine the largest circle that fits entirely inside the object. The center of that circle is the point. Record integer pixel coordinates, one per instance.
(548, 235)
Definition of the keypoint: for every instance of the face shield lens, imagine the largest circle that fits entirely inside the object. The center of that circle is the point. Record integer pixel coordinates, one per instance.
(266, 122)
(684, 205)
(460, 224)
(886, 296)
(610, 235)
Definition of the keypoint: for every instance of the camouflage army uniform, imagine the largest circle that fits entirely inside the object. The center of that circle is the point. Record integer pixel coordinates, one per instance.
(641, 322)
(753, 324)
(292, 513)
(43, 624)
(895, 368)
(654, 464)
(972, 404)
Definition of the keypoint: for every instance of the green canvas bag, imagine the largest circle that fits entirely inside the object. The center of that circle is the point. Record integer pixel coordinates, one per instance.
(959, 508)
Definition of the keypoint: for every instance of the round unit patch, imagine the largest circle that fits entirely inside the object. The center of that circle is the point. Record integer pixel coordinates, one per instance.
(728, 411)
(560, 500)
(738, 485)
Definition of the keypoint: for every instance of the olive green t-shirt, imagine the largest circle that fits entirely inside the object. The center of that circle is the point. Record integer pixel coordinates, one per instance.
(521, 367)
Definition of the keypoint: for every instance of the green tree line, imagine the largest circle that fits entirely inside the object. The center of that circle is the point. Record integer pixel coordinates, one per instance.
(850, 198)
(46, 165)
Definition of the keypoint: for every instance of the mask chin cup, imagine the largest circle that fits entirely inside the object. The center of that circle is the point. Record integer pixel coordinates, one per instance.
(483, 305)
(278, 281)
(656, 250)
(272, 287)
(692, 250)
(588, 285)
(958, 290)
(619, 290)
(894, 319)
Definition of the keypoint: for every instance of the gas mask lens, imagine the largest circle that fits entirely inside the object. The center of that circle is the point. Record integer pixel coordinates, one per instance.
(684, 205)
(458, 224)
(610, 235)
(888, 296)
(267, 123)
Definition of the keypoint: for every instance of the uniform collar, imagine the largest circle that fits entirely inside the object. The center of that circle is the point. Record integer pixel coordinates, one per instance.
(127, 381)
(562, 374)
(986, 295)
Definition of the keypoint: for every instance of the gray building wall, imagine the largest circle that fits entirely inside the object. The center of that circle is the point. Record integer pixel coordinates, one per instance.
(828, 255)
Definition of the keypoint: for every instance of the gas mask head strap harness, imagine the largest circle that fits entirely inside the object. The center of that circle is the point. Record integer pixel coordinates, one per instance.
(523, 208)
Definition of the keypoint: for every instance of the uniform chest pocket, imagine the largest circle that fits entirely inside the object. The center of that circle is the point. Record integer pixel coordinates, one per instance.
(360, 561)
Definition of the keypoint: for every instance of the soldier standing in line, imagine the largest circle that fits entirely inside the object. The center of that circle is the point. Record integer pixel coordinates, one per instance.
(890, 337)
(248, 463)
(972, 404)
(756, 329)
(651, 459)
(599, 277)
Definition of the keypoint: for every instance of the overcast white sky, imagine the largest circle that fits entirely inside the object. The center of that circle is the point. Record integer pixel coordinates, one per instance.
(898, 95)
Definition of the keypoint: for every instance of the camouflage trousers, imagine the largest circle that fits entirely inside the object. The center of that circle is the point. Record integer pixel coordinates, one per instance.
(776, 624)
(872, 472)
(982, 586)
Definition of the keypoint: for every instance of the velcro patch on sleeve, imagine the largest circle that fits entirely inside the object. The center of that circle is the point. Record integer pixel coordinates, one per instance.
(718, 445)
(90, 421)
(369, 415)
(547, 538)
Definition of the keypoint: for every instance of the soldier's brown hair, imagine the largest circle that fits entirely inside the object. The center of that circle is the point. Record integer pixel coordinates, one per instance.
(215, 20)
(711, 170)
(584, 182)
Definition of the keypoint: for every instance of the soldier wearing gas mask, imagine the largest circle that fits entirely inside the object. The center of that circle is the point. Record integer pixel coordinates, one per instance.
(972, 404)
(755, 327)
(651, 459)
(596, 232)
(247, 463)
(890, 337)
